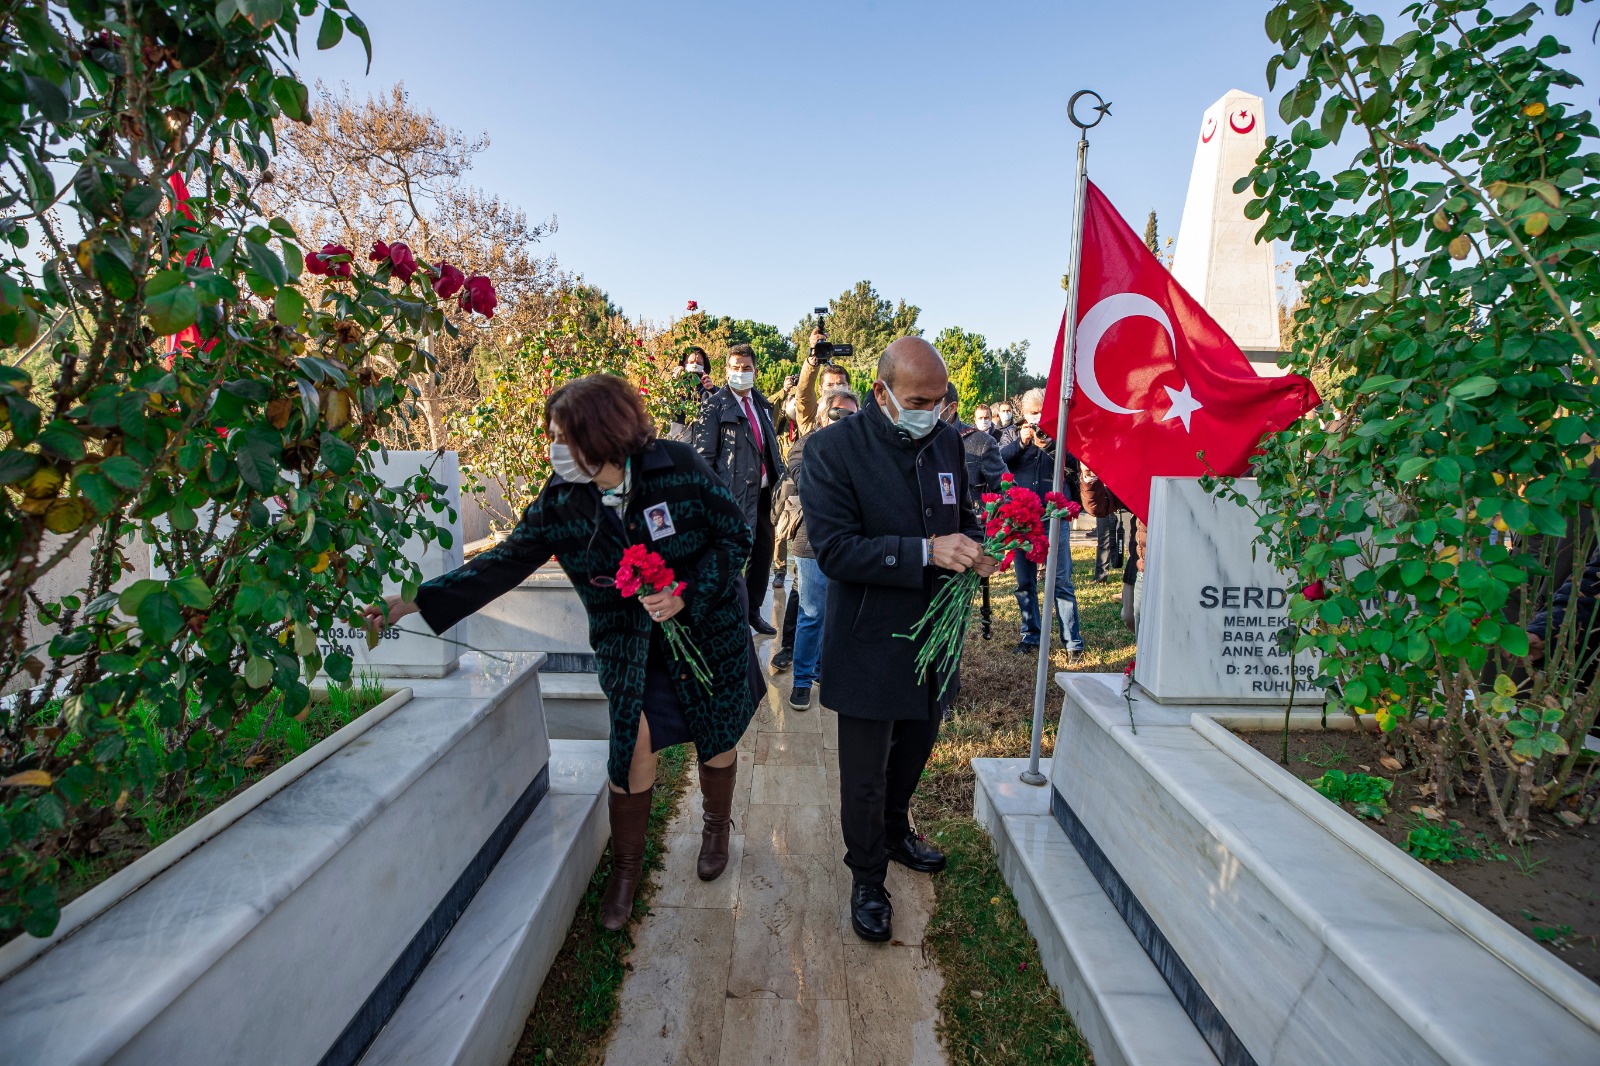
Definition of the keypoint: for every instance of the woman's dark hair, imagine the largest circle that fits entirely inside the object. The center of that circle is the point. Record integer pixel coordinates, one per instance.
(603, 418)
(705, 359)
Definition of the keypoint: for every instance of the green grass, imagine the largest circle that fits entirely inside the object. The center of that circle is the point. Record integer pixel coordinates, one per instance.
(577, 1006)
(975, 935)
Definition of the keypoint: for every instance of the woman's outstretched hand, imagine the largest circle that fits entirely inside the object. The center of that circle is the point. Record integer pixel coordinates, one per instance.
(662, 605)
(393, 609)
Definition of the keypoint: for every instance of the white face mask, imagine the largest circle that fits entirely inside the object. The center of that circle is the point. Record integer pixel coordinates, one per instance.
(1005, 418)
(985, 423)
(1033, 419)
(914, 424)
(741, 380)
(693, 369)
(790, 408)
(570, 469)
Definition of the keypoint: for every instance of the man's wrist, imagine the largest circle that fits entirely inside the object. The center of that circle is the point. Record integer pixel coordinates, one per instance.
(927, 551)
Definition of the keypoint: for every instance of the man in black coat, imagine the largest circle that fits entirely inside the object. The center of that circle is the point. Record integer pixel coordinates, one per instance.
(735, 436)
(886, 506)
(1031, 456)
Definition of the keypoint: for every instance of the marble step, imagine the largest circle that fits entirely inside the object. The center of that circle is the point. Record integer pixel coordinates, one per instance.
(1107, 983)
(471, 1001)
(574, 707)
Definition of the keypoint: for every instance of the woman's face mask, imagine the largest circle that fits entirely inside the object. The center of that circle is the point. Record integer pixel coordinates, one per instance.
(695, 369)
(563, 462)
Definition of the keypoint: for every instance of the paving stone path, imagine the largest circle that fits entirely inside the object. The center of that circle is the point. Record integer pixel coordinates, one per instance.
(761, 966)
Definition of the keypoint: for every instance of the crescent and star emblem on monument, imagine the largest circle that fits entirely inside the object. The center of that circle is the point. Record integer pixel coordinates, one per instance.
(1094, 325)
(1208, 130)
(1241, 121)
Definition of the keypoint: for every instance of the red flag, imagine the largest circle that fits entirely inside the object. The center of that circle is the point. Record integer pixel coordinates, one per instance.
(1158, 381)
(191, 335)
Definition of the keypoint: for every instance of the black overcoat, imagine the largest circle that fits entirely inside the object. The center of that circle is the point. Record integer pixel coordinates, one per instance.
(722, 437)
(871, 496)
(707, 550)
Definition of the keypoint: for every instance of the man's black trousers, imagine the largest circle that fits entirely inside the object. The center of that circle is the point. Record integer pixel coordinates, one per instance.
(758, 574)
(880, 764)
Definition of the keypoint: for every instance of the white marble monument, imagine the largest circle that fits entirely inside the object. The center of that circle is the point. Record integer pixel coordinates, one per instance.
(1216, 258)
(1214, 605)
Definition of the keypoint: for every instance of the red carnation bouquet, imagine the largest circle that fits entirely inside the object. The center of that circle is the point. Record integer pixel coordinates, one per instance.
(1015, 520)
(644, 573)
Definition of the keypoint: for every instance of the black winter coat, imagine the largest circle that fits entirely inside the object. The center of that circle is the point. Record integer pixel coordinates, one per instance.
(985, 468)
(707, 551)
(871, 496)
(722, 437)
(1034, 467)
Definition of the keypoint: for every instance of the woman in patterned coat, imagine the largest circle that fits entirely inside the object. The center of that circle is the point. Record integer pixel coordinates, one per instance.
(615, 485)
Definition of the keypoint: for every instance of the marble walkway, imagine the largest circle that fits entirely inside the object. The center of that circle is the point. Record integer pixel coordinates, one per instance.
(761, 966)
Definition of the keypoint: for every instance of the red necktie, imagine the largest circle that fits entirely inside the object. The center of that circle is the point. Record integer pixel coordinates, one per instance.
(755, 431)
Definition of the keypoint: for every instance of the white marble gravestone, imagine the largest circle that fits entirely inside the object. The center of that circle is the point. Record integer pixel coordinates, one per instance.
(1216, 258)
(410, 648)
(1214, 605)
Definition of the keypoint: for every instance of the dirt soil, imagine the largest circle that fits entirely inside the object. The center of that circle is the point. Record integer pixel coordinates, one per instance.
(1549, 889)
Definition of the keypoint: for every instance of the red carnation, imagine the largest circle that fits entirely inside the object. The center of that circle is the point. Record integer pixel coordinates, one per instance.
(449, 281)
(379, 253)
(402, 263)
(1314, 591)
(1008, 478)
(693, 306)
(478, 295)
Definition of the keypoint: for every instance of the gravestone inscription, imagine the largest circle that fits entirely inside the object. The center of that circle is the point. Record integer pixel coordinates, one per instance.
(1215, 627)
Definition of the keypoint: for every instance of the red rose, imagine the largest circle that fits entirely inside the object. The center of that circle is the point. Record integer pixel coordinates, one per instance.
(693, 306)
(449, 281)
(402, 263)
(1314, 591)
(315, 264)
(329, 251)
(379, 253)
(478, 295)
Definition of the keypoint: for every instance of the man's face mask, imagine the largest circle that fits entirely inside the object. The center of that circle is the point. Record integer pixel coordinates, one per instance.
(741, 380)
(1005, 418)
(914, 424)
(694, 368)
(985, 422)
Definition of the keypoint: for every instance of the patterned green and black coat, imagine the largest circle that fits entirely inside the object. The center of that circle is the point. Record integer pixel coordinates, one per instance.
(707, 549)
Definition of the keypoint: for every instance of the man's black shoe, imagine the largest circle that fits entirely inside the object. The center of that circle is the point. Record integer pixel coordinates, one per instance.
(870, 912)
(800, 697)
(777, 579)
(1025, 648)
(762, 626)
(916, 853)
(782, 659)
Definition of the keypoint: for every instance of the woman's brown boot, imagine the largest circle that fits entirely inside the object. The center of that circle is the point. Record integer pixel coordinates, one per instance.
(716, 785)
(630, 817)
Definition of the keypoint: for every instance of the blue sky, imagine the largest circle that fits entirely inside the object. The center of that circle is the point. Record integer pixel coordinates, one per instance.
(760, 158)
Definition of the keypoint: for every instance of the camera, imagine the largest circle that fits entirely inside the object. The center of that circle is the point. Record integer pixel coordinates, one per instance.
(826, 351)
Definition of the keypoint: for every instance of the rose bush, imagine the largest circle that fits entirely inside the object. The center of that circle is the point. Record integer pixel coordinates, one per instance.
(241, 463)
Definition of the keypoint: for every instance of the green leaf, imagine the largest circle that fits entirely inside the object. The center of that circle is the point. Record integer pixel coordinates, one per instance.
(1553, 743)
(1514, 640)
(16, 466)
(123, 472)
(291, 96)
(332, 30)
(338, 666)
(257, 453)
(337, 455)
(288, 306)
(135, 594)
(114, 275)
(359, 28)
(1412, 467)
(63, 440)
(1474, 388)
(47, 98)
(142, 201)
(173, 308)
(258, 672)
(265, 262)
(160, 617)
(191, 591)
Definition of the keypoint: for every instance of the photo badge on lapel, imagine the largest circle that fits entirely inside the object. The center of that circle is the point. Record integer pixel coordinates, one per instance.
(658, 520)
(947, 488)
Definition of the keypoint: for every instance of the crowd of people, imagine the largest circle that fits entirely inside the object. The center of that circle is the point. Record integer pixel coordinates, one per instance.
(866, 498)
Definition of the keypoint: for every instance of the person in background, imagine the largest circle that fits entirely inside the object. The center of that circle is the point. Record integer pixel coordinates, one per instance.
(735, 436)
(1003, 420)
(694, 379)
(1110, 530)
(985, 468)
(609, 472)
(811, 588)
(983, 418)
(885, 501)
(1099, 502)
(1031, 456)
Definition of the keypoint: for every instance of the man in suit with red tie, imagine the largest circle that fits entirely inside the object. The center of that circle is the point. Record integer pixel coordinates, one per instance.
(734, 435)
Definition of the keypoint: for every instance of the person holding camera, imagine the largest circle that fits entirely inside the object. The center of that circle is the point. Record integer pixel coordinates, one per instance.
(735, 436)
(1031, 456)
(695, 382)
(887, 513)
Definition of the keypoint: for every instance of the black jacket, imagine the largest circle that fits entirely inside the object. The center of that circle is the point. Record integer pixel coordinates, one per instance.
(707, 550)
(722, 437)
(871, 496)
(985, 468)
(1034, 467)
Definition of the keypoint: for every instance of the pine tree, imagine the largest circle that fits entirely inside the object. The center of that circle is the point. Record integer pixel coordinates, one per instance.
(1152, 240)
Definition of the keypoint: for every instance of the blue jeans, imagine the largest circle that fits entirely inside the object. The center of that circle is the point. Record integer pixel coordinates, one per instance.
(1066, 600)
(812, 590)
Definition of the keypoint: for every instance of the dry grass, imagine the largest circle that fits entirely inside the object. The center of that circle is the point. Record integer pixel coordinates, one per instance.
(993, 715)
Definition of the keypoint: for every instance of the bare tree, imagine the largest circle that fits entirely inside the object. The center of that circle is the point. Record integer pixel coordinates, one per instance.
(362, 171)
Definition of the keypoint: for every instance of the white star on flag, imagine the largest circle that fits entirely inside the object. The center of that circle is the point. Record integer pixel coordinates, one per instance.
(1183, 404)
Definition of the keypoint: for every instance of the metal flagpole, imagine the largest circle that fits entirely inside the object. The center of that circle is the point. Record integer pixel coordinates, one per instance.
(1047, 604)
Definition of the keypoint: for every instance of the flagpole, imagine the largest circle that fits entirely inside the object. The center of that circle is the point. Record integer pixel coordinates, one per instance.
(1041, 680)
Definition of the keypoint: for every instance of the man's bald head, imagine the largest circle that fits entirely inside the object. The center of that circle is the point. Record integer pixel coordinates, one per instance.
(913, 369)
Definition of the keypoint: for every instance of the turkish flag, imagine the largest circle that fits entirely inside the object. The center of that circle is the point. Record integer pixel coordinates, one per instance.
(1158, 381)
(189, 336)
